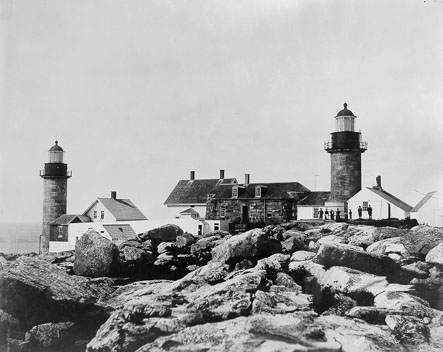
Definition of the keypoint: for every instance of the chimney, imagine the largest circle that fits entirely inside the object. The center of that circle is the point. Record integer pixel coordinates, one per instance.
(247, 179)
(114, 195)
(378, 180)
(222, 174)
(192, 176)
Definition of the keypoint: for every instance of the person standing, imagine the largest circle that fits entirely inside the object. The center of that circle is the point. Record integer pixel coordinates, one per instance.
(320, 213)
(332, 214)
(350, 214)
(326, 214)
(360, 211)
(337, 215)
(370, 211)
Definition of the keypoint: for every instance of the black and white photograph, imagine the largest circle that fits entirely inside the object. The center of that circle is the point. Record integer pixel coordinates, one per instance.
(221, 175)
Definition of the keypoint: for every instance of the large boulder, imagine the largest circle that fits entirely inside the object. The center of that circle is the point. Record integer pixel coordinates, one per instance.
(137, 256)
(227, 299)
(382, 233)
(302, 255)
(165, 233)
(35, 291)
(292, 244)
(185, 240)
(52, 335)
(421, 239)
(405, 302)
(95, 255)
(280, 300)
(334, 254)
(408, 329)
(435, 255)
(392, 247)
(253, 244)
(289, 332)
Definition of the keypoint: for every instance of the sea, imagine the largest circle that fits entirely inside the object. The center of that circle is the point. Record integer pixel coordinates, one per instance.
(19, 238)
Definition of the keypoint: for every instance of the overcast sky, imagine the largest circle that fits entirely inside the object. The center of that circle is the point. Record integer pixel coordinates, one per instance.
(139, 93)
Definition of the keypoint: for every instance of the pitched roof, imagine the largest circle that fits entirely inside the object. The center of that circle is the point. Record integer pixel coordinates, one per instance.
(195, 191)
(390, 198)
(315, 198)
(121, 209)
(119, 232)
(276, 190)
(191, 211)
(423, 201)
(67, 219)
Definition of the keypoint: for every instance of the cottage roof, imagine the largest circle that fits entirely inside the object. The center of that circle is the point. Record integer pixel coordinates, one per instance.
(423, 201)
(67, 219)
(390, 198)
(120, 232)
(121, 209)
(315, 198)
(195, 191)
(278, 190)
(345, 111)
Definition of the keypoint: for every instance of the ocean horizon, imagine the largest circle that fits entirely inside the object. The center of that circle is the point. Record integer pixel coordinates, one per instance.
(19, 238)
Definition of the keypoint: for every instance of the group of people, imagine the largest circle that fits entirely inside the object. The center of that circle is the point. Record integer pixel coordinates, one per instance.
(330, 215)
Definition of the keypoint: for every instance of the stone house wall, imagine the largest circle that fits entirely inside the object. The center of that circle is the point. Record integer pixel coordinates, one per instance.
(250, 211)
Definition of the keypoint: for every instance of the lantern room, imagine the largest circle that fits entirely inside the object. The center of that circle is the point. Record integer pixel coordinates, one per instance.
(56, 153)
(55, 167)
(345, 120)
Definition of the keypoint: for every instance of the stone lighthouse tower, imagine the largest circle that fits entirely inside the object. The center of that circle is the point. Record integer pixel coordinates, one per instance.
(55, 188)
(345, 147)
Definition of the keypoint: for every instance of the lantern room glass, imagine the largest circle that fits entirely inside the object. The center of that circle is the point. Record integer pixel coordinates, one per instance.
(344, 123)
(56, 156)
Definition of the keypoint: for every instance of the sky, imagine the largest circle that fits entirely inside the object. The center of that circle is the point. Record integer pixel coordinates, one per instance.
(140, 92)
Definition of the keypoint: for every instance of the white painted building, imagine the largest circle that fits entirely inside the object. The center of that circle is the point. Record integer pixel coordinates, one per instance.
(429, 210)
(309, 207)
(384, 205)
(113, 209)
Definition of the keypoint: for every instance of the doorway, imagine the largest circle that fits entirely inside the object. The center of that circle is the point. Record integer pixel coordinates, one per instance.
(245, 214)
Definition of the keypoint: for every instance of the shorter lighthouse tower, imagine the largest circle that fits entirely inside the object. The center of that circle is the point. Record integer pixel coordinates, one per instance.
(55, 190)
(345, 147)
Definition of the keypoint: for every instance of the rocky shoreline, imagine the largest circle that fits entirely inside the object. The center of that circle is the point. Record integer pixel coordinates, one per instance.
(299, 286)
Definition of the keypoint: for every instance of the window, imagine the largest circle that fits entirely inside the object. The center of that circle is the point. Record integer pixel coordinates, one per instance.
(222, 211)
(365, 206)
(102, 215)
(216, 226)
(95, 214)
(258, 192)
(234, 192)
(315, 213)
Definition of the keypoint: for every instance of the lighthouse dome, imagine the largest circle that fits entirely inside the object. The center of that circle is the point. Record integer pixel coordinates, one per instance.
(345, 111)
(56, 148)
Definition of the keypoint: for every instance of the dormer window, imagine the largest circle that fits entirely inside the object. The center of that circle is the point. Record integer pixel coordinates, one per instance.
(234, 192)
(258, 191)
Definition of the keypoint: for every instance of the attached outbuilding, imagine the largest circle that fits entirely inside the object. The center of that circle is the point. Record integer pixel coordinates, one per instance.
(310, 206)
(429, 210)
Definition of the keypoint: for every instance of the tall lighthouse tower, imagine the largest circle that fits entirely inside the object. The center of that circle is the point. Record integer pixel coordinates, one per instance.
(345, 147)
(55, 189)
